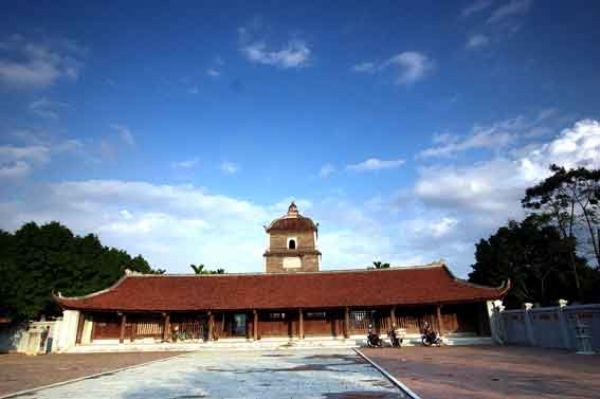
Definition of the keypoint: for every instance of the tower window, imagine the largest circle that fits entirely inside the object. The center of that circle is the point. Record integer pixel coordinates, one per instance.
(292, 244)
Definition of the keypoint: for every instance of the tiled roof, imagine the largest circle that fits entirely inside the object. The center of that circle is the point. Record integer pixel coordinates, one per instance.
(395, 286)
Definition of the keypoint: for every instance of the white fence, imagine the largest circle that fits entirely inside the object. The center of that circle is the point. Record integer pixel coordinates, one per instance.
(574, 327)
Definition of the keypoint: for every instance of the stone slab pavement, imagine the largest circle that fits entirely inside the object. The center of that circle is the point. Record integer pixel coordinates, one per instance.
(492, 372)
(323, 373)
(20, 372)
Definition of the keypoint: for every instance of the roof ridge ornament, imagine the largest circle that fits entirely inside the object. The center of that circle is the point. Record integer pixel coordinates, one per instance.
(292, 210)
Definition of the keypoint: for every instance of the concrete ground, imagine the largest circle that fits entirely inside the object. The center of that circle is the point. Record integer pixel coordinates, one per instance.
(492, 372)
(322, 373)
(19, 372)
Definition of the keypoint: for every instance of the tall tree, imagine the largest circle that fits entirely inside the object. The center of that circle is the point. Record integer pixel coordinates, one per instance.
(38, 260)
(570, 199)
(533, 255)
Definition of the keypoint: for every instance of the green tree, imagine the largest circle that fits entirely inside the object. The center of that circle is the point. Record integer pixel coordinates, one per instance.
(570, 200)
(36, 261)
(534, 256)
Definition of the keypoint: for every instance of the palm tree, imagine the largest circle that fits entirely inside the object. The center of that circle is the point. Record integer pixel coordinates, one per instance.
(379, 265)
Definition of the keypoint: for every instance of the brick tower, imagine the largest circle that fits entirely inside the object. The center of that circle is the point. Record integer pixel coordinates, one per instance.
(292, 244)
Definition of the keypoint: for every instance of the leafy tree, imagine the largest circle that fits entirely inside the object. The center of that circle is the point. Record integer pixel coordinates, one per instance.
(379, 265)
(199, 269)
(570, 199)
(38, 260)
(534, 256)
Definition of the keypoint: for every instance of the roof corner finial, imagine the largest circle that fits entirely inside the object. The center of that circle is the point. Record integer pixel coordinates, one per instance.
(293, 210)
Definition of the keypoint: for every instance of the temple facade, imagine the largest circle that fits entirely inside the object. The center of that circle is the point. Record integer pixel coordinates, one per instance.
(293, 299)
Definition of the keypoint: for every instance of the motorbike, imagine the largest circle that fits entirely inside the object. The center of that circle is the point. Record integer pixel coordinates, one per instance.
(431, 339)
(396, 338)
(373, 340)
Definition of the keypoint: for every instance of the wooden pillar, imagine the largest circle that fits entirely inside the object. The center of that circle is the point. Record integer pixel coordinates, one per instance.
(255, 325)
(347, 323)
(439, 319)
(123, 323)
(211, 326)
(301, 323)
(133, 330)
(167, 327)
(393, 317)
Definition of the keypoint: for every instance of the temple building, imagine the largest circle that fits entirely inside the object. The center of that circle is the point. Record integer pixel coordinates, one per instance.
(293, 299)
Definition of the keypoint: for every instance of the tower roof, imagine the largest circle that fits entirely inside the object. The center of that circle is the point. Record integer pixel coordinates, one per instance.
(292, 222)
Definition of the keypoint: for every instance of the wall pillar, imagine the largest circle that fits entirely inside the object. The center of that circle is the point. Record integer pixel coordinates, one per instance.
(211, 326)
(88, 327)
(528, 324)
(346, 322)
(65, 333)
(393, 320)
(166, 328)
(123, 325)
(255, 325)
(301, 322)
(564, 324)
(440, 321)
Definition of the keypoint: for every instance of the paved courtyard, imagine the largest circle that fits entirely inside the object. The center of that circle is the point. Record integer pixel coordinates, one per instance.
(492, 372)
(338, 373)
(19, 372)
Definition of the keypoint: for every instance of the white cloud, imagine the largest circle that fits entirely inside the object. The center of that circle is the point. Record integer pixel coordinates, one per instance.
(213, 72)
(326, 170)
(14, 169)
(511, 9)
(477, 41)
(490, 138)
(295, 55)
(410, 66)
(34, 65)
(187, 164)
(496, 186)
(376, 164)
(172, 225)
(365, 67)
(124, 133)
(476, 7)
(19, 161)
(45, 108)
(229, 168)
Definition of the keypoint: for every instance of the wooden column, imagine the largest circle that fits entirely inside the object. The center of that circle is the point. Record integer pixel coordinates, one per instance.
(211, 326)
(123, 323)
(347, 323)
(167, 327)
(255, 325)
(393, 316)
(439, 319)
(301, 323)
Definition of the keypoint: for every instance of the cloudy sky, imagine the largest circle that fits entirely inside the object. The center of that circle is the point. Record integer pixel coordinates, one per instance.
(408, 130)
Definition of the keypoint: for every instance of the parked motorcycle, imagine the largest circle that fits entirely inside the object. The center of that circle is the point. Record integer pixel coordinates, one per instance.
(373, 341)
(431, 339)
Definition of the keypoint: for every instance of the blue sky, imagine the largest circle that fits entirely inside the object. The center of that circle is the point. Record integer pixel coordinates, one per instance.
(409, 130)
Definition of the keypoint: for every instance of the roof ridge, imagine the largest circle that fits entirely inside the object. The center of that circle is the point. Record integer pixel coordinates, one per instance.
(337, 271)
